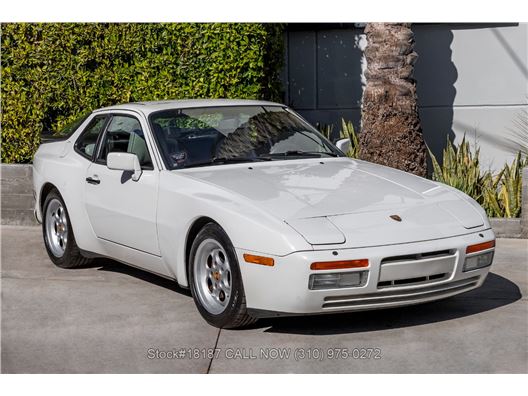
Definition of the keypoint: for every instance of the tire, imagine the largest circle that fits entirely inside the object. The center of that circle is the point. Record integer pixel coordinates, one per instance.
(213, 270)
(58, 234)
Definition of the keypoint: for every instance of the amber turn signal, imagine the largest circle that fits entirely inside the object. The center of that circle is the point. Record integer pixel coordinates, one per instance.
(480, 246)
(250, 258)
(344, 264)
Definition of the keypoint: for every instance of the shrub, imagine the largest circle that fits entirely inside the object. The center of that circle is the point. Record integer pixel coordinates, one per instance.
(503, 192)
(460, 169)
(52, 73)
(499, 194)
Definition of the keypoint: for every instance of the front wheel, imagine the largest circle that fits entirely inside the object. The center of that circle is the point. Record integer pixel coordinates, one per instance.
(216, 283)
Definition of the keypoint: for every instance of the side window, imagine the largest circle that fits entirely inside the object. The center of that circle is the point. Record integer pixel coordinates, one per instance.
(86, 143)
(124, 135)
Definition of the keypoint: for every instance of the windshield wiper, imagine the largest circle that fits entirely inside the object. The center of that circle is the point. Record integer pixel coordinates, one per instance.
(228, 160)
(300, 153)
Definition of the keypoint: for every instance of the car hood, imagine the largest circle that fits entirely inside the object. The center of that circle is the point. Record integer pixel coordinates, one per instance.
(333, 200)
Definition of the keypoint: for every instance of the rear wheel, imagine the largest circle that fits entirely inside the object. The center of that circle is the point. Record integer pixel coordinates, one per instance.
(58, 233)
(216, 283)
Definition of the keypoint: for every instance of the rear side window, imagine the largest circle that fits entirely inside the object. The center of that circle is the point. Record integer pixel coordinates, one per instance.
(87, 142)
(124, 135)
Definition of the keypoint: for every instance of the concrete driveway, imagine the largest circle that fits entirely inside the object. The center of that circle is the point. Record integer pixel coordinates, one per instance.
(111, 318)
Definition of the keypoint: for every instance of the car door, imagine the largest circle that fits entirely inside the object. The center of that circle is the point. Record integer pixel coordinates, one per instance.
(121, 210)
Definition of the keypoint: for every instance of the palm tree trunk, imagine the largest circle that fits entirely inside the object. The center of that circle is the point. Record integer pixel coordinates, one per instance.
(391, 133)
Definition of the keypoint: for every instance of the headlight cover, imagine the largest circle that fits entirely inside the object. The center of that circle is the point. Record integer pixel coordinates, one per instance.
(337, 280)
(478, 260)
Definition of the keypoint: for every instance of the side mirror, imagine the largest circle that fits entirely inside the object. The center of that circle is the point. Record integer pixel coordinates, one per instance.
(343, 145)
(127, 162)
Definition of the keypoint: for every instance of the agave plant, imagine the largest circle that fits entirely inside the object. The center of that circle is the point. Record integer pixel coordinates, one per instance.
(499, 194)
(348, 131)
(460, 169)
(491, 201)
(503, 192)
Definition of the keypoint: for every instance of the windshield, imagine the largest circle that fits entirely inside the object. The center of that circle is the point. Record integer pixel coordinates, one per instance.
(221, 135)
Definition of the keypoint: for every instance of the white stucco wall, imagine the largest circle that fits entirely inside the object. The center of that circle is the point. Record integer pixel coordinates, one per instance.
(471, 78)
(475, 79)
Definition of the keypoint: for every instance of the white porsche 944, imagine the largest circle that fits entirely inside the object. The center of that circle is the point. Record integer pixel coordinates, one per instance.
(254, 210)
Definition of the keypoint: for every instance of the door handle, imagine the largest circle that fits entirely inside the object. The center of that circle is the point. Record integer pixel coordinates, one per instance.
(93, 180)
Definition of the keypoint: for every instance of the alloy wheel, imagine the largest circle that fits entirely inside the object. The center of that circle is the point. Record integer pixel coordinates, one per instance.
(56, 228)
(212, 276)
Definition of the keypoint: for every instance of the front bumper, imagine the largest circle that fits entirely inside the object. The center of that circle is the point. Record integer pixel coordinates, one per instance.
(283, 288)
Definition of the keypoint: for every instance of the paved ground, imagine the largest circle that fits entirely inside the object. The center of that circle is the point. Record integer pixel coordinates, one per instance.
(110, 318)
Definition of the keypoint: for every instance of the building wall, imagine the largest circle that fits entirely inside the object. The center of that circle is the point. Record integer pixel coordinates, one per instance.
(472, 79)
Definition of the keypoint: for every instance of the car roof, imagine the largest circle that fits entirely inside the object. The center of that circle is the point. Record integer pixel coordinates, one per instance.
(150, 107)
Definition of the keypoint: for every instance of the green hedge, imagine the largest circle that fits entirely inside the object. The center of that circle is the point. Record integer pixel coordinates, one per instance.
(51, 73)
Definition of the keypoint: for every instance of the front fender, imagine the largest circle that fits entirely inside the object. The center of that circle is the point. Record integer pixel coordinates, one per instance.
(183, 200)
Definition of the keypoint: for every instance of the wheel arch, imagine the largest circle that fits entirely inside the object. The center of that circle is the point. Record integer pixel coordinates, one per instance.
(192, 233)
(44, 192)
